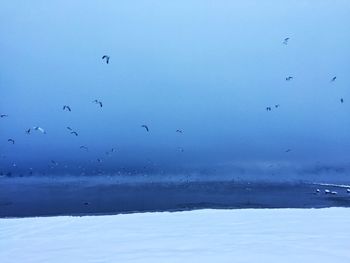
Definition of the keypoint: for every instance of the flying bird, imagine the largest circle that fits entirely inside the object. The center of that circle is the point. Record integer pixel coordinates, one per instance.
(277, 105)
(179, 131)
(268, 108)
(83, 147)
(11, 141)
(146, 127)
(285, 41)
(98, 102)
(66, 107)
(288, 150)
(106, 58)
(341, 100)
(74, 132)
(3, 115)
(334, 78)
(39, 129)
(69, 128)
(28, 131)
(289, 78)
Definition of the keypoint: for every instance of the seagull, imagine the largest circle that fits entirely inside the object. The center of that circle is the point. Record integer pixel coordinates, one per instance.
(106, 58)
(146, 127)
(11, 140)
(74, 132)
(317, 190)
(98, 102)
(341, 100)
(289, 78)
(334, 193)
(327, 191)
(39, 129)
(288, 150)
(3, 115)
(179, 131)
(268, 108)
(285, 41)
(28, 131)
(277, 105)
(334, 78)
(83, 147)
(66, 107)
(69, 128)
(348, 191)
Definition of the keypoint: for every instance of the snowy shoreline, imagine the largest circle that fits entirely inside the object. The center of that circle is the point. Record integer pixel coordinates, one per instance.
(244, 235)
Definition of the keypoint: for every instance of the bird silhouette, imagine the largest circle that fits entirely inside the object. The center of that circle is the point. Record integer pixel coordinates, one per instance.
(268, 108)
(285, 41)
(106, 58)
(288, 150)
(36, 128)
(66, 107)
(83, 147)
(11, 141)
(179, 131)
(69, 128)
(289, 78)
(3, 115)
(98, 102)
(334, 78)
(74, 132)
(277, 105)
(28, 131)
(146, 127)
(341, 100)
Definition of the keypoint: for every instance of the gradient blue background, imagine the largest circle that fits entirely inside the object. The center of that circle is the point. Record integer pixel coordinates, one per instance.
(209, 68)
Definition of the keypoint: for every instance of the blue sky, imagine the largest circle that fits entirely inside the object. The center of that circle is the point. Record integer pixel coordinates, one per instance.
(209, 68)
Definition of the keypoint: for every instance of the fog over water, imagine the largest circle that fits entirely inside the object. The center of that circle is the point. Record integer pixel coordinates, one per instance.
(207, 68)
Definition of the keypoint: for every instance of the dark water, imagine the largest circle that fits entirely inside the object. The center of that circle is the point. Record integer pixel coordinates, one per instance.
(23, 197)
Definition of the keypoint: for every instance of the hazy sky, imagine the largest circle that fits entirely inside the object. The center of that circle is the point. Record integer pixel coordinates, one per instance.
(209, 68)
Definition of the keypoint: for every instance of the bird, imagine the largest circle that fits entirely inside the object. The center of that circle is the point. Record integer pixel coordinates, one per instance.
(179, 131)
(348, 191)
(145, 126)
(341, 100)
(276, 106)
(326, 191)
(288, 150)
(66, 107)
(268, 108)
(317, 190)
(83, 147)
(106, 58)
(285, 41)
(289, 78)
(334, 193)
(334, 78)
(69, 128)
(36, 128)
(28, 131)
(74, 132)
(98, 102)
(3, 115)
(11, 141)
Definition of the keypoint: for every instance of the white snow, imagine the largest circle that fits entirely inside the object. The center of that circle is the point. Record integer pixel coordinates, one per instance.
(248, 235)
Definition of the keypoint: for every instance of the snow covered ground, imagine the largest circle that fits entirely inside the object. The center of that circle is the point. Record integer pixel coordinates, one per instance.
(247, 235)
